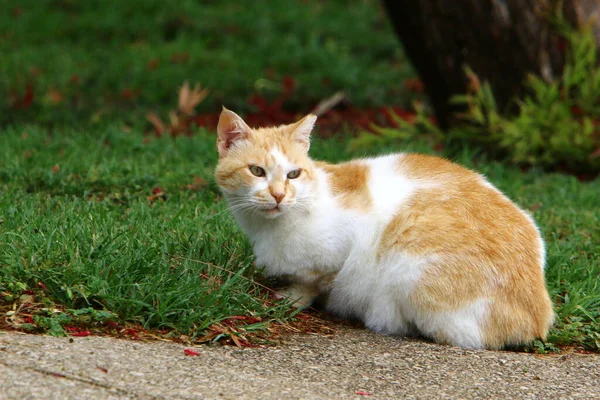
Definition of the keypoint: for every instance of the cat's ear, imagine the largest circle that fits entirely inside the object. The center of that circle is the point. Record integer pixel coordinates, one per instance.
(231, 128)
(301, 130)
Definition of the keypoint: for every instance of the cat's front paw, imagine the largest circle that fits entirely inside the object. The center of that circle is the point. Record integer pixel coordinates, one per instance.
(303, 296)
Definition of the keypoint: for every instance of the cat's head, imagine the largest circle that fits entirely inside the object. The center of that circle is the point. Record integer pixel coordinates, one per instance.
(265, 171)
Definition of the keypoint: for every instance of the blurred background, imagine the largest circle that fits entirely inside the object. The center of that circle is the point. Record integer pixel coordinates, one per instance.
(69, 61)
(518, 79)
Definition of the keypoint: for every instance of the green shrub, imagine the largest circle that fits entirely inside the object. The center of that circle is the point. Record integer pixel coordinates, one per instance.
(556, 123)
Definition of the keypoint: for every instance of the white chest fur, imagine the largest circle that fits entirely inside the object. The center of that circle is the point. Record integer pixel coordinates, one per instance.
(297, 244)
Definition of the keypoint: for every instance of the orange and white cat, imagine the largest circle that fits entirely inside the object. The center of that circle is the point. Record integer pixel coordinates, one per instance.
(408, 243)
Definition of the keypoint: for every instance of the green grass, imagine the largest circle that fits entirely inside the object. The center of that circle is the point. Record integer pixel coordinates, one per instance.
(91, 61)
(87, 230)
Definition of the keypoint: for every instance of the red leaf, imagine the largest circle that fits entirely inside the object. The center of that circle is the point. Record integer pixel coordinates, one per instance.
(129, 93)
(562, 45)
(231, 321)
(414, 85)
(576, 110)
(153, 64)
(288, 85)
(29, 96)
(80, 334)
(190, 352)
(27, 99)
(363, 393)
(180, 58)
(535, 207)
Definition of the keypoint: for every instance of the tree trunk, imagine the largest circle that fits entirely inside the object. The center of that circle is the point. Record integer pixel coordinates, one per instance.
(500, 40)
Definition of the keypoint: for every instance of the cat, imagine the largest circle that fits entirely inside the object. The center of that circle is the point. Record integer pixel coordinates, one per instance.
(410, 244)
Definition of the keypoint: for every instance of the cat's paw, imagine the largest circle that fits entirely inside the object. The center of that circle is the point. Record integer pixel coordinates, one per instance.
(303, 296)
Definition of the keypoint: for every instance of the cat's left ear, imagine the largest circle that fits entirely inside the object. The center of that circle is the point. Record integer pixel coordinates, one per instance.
(301, 130)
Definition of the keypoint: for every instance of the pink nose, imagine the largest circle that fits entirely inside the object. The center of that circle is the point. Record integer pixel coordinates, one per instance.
(278, 196)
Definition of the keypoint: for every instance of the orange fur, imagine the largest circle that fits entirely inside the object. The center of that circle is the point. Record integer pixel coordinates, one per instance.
(349, 184)
(480, 233)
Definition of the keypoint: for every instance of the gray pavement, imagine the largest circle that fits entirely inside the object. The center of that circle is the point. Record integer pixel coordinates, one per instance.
(353, 363)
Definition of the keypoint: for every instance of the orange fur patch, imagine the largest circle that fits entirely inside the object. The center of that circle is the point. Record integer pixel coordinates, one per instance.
(487, 247)
(349, 183)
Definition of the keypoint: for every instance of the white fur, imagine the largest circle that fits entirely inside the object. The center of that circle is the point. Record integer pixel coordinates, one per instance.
(316, 234)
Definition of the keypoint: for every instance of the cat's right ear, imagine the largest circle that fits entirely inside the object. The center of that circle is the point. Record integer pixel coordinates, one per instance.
(231, 128)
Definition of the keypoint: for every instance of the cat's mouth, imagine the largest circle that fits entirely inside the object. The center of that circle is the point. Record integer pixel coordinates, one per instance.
(273, 212)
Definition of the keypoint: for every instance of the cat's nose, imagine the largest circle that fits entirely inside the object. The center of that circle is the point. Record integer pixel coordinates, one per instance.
(277, 196)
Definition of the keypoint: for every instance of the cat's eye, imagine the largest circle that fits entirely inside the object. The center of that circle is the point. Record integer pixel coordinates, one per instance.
(257, 171)
(294, 174)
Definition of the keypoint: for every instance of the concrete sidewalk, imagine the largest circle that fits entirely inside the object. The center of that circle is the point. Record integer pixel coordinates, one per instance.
(351, 364)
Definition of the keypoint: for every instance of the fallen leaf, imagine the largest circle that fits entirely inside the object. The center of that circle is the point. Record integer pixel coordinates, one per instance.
(129, 93)
(236, 340)
(363, 393)
(157, 194)
(535, 207)
(190, 98)
(198, 184)
(190, 352)
(289, 84)
(54, 96)
(26, 100)
(153, 64)
(414, 85)
(81, 334)
(180, 58)
(56, 168)
(175, 121)
(157, 123)
(576, 110)
(113, 324)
